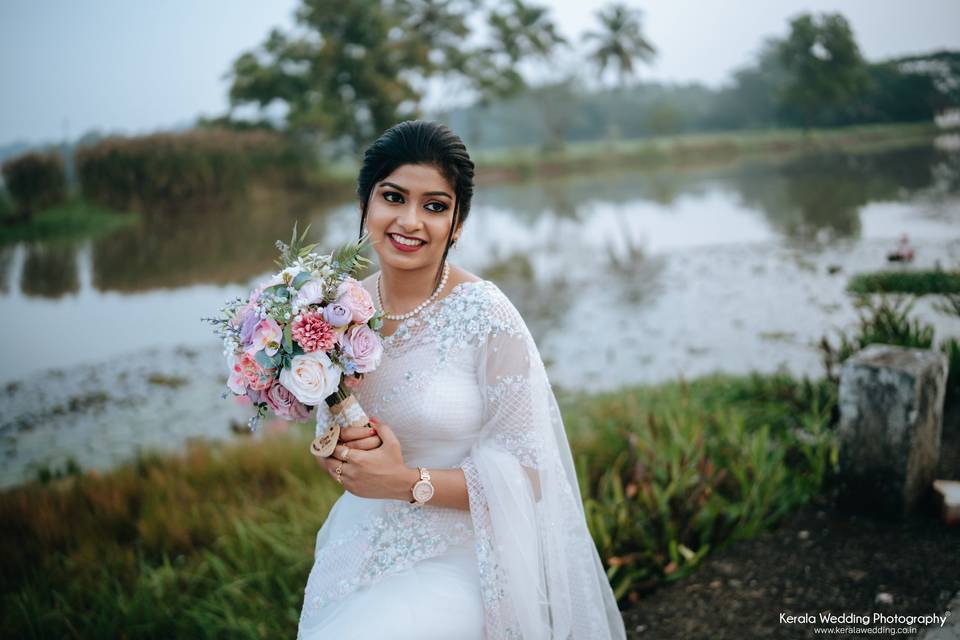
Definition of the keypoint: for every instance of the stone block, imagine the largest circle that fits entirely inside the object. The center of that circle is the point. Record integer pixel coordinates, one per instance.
(948, 498)
(891, 418)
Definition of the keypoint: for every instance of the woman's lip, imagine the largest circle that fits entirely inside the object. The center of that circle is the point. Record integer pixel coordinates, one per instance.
(403, 247)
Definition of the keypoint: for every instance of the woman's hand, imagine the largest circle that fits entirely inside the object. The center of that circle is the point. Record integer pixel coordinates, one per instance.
(372, 473)
(365, 438)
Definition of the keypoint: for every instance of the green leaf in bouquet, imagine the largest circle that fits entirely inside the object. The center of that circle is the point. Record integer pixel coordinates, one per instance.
(348, 259)
(302, 278)
(264, 360)
(279, 290)
(287, 339)
(376, 321)
(289, 253)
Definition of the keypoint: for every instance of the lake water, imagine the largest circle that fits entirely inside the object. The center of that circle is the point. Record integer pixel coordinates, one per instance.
(623, 277)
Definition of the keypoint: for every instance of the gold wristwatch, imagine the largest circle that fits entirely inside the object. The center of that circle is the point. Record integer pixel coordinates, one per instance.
(422, 490)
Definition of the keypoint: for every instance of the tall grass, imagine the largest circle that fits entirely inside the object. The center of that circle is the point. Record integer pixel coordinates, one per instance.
(218, 542)
(35, 180)
(198, 169)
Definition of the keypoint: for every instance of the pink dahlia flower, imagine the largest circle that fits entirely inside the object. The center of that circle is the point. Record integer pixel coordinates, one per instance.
(312, 332)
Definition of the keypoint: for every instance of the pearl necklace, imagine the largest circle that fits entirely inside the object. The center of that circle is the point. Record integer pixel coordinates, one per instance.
(420, 307)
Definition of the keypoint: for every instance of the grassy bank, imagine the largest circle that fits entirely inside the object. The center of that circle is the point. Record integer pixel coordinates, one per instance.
(690, 150)
(72, 219)
(686, 150)
(218, 542)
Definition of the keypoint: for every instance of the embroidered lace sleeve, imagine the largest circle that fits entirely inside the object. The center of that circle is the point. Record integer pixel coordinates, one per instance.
(541, 576)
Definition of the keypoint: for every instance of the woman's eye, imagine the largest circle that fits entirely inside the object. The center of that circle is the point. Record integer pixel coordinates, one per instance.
(440, 207)
(388, 195)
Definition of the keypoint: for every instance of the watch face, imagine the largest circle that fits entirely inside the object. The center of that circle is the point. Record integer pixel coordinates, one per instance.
(422, 491)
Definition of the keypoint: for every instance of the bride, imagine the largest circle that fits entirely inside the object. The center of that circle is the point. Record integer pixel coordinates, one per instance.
(461, 516)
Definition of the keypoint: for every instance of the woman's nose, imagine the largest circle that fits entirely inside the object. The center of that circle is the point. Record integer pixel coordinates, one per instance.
(407, 218)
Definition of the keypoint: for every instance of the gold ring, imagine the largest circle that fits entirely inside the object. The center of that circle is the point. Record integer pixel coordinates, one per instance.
(339, 470)
(346, 452)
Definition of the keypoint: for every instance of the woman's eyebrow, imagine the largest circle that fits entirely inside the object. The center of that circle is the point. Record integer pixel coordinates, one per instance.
(407, 191)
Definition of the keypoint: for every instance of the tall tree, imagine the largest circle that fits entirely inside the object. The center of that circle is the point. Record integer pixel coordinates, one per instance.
(825, 68)
(621, 41)
(351, 70)
(519, 31)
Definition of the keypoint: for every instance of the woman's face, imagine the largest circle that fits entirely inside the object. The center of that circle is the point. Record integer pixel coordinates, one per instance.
(409, 217)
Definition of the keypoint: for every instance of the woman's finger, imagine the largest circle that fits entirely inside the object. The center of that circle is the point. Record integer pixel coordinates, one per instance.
(368, 443)
(354, 433)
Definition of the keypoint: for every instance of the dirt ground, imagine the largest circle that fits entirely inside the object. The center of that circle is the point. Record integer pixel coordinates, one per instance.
(818, 559)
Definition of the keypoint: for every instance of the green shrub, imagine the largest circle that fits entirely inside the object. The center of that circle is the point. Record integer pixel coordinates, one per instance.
(36, 181)
(670, 473)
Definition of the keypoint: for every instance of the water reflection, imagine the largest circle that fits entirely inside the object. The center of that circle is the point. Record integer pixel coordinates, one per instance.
(6, 264)
(623, 277)
(217, 247)
(49, 270)
(803, 200)
(820, 198)
(540, 239)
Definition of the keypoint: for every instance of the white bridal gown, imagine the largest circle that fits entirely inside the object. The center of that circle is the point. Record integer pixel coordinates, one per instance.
(462, 385)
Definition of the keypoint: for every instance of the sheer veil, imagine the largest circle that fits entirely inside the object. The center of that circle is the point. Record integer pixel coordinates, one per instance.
(540, 571)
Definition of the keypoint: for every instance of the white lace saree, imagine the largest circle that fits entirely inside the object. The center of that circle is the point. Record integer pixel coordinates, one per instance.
(462, 385)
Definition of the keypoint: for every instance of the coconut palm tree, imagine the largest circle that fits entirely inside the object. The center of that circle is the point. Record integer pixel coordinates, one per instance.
(525, 30)
(621, 40)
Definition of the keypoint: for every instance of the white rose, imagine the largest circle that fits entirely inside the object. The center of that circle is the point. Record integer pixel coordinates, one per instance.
(291, 272)
(310, 293)
(311, 377)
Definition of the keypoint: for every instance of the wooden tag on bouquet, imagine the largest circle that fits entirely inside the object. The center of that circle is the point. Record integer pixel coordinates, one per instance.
(345, 413)
(324, 444)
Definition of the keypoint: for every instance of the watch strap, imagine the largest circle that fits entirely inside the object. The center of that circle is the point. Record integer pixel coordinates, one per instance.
(424, 476)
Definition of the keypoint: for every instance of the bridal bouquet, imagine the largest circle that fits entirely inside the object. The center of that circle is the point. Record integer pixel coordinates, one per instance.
(303, 337)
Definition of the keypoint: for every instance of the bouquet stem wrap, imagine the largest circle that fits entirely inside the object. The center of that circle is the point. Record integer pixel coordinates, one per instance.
(346, 412)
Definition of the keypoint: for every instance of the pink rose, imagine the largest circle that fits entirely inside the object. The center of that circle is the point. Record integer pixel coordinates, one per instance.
(352, 295)
(362, 345)
(255, 376)
(284, 404)
(310, 293)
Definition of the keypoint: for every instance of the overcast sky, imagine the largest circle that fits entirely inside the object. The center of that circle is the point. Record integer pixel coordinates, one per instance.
(68, 66)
